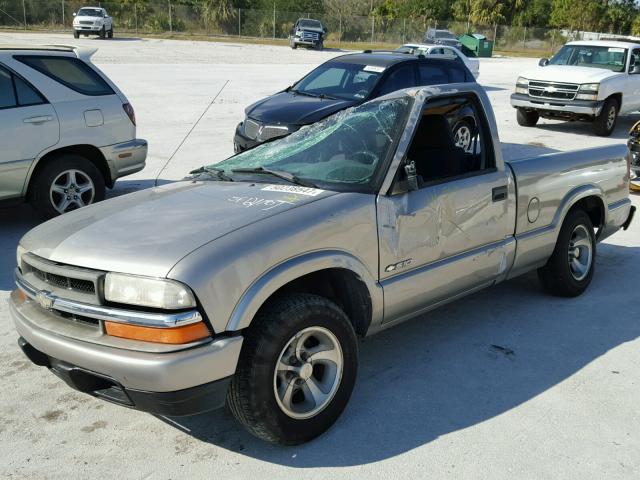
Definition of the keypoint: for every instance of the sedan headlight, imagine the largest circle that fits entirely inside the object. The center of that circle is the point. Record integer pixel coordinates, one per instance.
(19, 252)
(147, 292)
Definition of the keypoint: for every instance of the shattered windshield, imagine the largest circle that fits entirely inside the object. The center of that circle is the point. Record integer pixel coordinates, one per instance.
(610, 58)
(342, 152)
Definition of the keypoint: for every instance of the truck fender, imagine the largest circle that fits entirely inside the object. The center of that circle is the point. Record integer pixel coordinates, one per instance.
(278, 276)
(574, 196)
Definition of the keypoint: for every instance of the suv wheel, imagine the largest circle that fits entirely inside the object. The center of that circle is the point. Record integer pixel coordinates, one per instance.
(604, 123)
(76, 34)
(110, 33)
(527, 118)
(296, 371)
(102, 33)
(66, 183)
(570, 268)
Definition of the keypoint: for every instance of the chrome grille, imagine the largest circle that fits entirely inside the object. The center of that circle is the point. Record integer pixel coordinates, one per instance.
(84, 22)
(251, 129)
(310, 36)
(273, 132)
(553, 90)
(67, 282)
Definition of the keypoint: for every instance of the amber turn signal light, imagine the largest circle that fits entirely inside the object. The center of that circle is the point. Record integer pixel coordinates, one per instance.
(176, 335)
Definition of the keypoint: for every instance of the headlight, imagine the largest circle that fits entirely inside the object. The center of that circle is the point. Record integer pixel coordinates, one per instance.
(590, 87)
(522, 85)
(522, 81)
(19, 252)
(147, 292)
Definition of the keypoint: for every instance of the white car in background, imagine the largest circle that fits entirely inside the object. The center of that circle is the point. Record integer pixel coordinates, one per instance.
(92, 21)
(446, 51)
(66, 131)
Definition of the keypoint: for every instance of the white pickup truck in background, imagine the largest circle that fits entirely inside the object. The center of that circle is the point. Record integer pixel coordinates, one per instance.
(592, 81)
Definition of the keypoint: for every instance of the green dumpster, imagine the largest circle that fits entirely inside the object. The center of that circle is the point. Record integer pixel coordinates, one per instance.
(477, 45)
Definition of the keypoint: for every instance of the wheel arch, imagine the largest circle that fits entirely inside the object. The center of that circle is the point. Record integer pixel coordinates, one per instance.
(336, 275)
(589, 198)
(91, 153)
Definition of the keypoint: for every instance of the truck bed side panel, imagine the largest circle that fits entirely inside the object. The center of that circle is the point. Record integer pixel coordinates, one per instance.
(549, 185)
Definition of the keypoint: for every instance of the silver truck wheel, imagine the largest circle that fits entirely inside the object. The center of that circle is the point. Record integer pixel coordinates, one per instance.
(308, 372)
(296, 371)
(605, 123)
(569, 270)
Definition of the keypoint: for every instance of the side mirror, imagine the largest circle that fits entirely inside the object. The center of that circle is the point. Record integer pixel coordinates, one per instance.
(412, 176)
(543, 62)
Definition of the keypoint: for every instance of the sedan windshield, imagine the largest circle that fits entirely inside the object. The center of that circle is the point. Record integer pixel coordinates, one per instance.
(89, 12)
(610, 58)
(345, 81)
(345, 152)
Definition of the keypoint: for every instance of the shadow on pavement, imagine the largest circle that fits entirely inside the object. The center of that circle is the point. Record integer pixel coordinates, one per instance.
(621, 131)
(458, 366)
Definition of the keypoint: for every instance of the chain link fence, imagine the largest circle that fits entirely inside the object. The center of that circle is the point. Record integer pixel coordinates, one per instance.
(165, 16)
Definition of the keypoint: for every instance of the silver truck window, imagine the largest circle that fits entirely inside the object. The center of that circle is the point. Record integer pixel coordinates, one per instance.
(610, 58)
(450, 141)
(344, 152)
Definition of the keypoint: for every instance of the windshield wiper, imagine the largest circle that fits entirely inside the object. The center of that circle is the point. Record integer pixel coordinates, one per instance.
(218, 172)
(314, 95)
(289, 177)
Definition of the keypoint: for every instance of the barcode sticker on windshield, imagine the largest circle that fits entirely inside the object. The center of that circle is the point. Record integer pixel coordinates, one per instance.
(311, 192)
(616, 50)
(373, 68)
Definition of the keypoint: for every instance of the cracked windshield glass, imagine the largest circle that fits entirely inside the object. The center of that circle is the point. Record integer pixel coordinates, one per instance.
(342, 152)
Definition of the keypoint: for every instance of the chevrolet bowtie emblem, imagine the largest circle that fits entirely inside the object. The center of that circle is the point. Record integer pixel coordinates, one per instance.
(45, 299)
(550, 89)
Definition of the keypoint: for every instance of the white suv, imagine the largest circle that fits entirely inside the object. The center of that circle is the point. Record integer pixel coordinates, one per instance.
(92, 21)
(66, 131)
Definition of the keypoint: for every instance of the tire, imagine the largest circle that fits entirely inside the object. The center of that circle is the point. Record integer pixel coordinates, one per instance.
(320, 46)
(67, 175)
(76, 34)
(110, 33)
(527, 118)
(257, 396)
(463, 133)
(102, 33)
(558, 276)
(605, 123)
(294, 45)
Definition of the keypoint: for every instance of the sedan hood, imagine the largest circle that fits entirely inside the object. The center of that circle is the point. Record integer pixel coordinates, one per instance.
(569, 74)
(148, 232)
(291, 108)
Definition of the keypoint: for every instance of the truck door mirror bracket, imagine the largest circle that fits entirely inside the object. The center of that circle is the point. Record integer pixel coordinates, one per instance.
(411, 176)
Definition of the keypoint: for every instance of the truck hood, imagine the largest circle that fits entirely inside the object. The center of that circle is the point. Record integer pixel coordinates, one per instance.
(311, 29)
(87, 19)
(148, 232)
(291, 108)
(569, 74)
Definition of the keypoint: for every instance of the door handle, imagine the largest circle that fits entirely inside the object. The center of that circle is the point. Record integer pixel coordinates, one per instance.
(499, 193)
(40, 119)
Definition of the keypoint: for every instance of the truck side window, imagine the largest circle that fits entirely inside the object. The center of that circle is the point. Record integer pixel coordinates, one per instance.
(452, 140)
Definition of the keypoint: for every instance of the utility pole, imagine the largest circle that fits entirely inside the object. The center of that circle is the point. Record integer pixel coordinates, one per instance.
(274, 20)
(170, 20)
(24, 14)
(63, 14)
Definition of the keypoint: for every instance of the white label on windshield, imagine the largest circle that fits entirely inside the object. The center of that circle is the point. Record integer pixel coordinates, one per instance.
(373, 68)
(616, 50)
(310, 192)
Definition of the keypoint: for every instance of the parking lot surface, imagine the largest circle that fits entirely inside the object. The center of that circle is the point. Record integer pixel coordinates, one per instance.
(507, 383)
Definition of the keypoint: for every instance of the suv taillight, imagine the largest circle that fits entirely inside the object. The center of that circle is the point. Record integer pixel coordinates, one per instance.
(128, 109)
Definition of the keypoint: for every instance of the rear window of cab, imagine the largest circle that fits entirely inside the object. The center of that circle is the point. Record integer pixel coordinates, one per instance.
(71, 72)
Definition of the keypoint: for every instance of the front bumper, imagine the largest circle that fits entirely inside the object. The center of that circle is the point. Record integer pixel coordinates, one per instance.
(125, 158)
(560, 108)
(159, 374)
(87, 28)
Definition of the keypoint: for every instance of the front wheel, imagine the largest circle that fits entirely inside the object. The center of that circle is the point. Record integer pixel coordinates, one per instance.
(569, 271)
(110, 33)
(527, 118)
(296, 371)
(76, 34)
(604, 123)
(102, 33)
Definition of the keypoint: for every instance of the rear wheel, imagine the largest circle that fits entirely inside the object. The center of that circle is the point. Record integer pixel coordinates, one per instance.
(66, 183)
(569, 271)
(527, 118)
(296, 371)
(604, 123)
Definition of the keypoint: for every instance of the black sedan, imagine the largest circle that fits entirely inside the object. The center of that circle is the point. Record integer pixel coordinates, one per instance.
(341, 83)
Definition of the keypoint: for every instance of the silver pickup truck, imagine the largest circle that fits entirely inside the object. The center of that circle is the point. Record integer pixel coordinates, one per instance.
(250, 281)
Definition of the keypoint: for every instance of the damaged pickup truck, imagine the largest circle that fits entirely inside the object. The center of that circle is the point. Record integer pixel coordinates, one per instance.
(251, 281)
